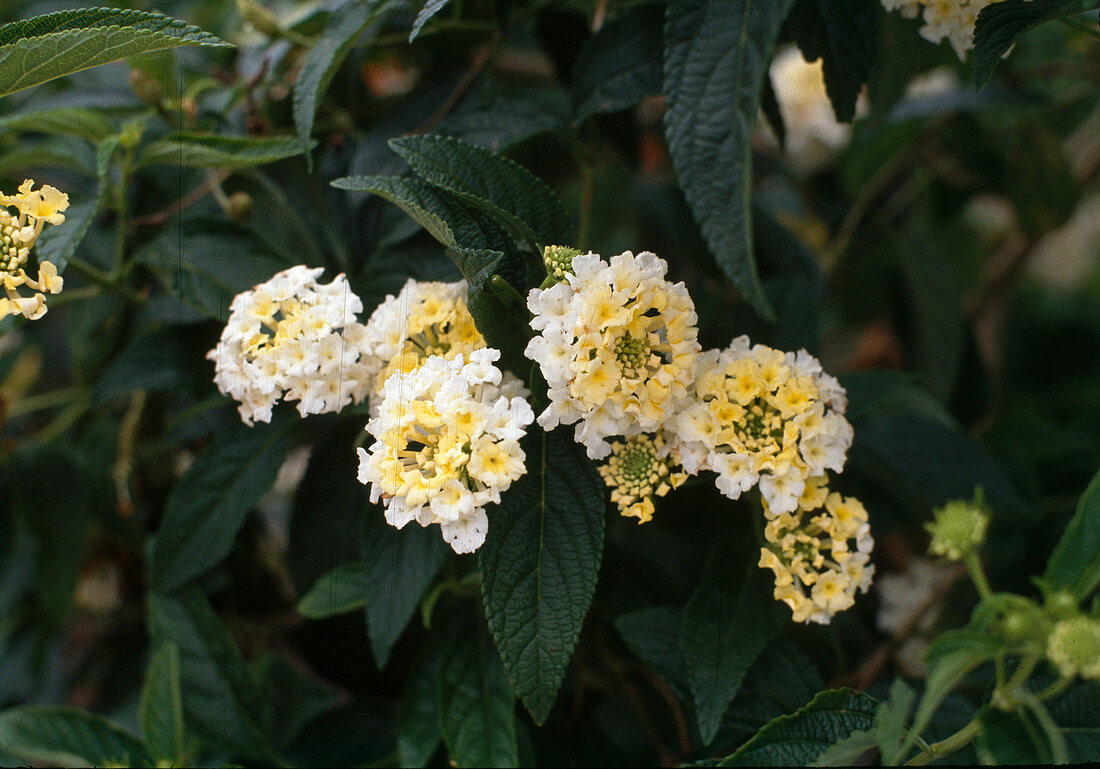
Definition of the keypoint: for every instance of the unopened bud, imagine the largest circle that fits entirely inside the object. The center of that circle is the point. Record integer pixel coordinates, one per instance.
(958, 528)
(1061, 605)
(145, 87)
(1074, 647)
(259, 17)
(559, 261)
(239, 207)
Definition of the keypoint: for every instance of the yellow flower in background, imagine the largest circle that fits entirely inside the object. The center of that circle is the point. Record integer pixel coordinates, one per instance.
(820, 553)
(640, 468)
(424, 319)
(18, 234)
(616, 343)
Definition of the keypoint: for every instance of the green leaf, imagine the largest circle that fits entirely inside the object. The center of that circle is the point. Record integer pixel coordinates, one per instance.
(222, 703)
(430, 9)
(842, 34)
(191, 260)
(63, 736)
(341, 590)
(727, 622)
(848, 751)
(399, 567)
(162, 705)
(297, 698)
(163, 360)
(475, 701)
(36, 50)
(1075, 562)
(716, 58)
(63, 121)
(58, 243)
(196, 150)
(653, 634)
(209, 503)
(950, 658)
(1019, 738)
(325, 58)
(890, 720)
(621, 64)
(780, 681)
(1075, 712)
(798, 739)
(57, 514)
(1000, 24)
(418, 734)
(500, 122)
(491, 182)
(539, 565)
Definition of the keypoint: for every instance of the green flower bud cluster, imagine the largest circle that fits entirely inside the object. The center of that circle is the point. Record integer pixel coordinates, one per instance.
(559, 262)
(958, 528)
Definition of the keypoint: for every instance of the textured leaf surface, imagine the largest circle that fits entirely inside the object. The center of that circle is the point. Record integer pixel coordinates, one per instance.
(222, 702)
(1000, 24)
(1075, 562)
(727, 622)
(430, 9)
(340, 590)
(539, 565)
(487, 179)
(162, 705)
(399, 567)
(209, 503)
(716, 56)
(36, 50)
(798, 739)
(475, 701)
(197, 150)
(842, 34)
(325, 58)
(207, 263)
(67, 737)
(621, 64)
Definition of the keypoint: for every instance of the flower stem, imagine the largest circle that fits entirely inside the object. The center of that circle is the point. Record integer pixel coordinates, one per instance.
(955, 742)
(974, 568)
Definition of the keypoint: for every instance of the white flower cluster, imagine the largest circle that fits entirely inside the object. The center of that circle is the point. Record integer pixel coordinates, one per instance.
(952, 20)
(616, 345)
(447, 444)
(293, 337)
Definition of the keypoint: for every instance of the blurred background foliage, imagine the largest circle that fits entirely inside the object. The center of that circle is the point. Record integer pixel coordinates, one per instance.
(942, 258)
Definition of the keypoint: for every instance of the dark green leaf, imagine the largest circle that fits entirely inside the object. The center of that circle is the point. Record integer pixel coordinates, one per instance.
(418, 734)
(1000, 24)
(727, 622)
(61, 736)
(716, 58)
(500, 122)
(621, 64)
(65, 121)
(57, 244)
(1075, 562)
(475, 701)
(399, 567)
(653, 634)
(539, 565)
(196, 150)
(36, 50)
(325, 58)
(842, 34)
(190, 259)
(1019, 738)
(57, 514)
(162, 705)
(798, 739)
(489, 181)
(209, 503)
(431, 8)
(162, 361)
(222, 703)
(341, 590)
(1075, 712)
(297, 698)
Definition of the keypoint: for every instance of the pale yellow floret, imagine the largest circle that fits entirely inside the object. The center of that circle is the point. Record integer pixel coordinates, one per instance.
(640, 468)
(18, 234)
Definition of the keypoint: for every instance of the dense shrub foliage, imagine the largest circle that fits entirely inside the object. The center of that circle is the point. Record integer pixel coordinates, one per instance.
(549, 382)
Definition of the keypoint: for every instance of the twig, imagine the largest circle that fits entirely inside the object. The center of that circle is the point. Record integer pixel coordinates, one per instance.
(159, 218)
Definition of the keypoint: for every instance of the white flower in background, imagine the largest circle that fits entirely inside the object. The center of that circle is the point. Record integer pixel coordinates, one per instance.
(820, 553)
(813, 134)
(296, 338)
(910, 602)
(762, 416)
(424, 319)
(952, 20)
(616, 345)
(447, 444)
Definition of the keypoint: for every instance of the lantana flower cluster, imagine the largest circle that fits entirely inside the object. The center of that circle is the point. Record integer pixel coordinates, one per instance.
(952, 20)
(18, 233)
(617, 344)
